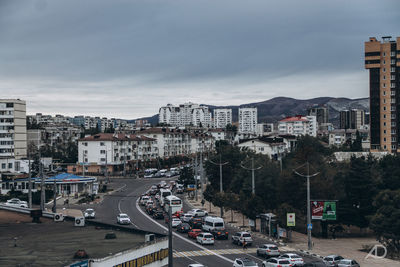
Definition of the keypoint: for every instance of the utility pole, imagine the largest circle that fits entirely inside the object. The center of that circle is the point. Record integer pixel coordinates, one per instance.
(54, 209)
(137, 167)
(30, 182)
(201, 174)
(220, 177)
(309, 225)
(125, 162)
(83, 164)
(170, 256)
(252, 169)
(107, 179)
(196, 173)
(42, 189)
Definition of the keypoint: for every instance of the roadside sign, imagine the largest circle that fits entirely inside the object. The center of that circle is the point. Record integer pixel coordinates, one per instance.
(191, 187)
(251, 223)
(309, 226)
(323, 210)
(291, 219)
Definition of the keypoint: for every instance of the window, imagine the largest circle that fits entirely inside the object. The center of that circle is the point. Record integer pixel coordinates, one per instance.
(384, 108)
(384, 131)
(384, 54)
(384, 70)
(393, 61)
(393, 139)
(384, 116)
(384, 85)
(384, 77)
(392, 77)
(10, 105)
(392, 69)
(393, 108)
(102, 144)
(393, 124)
(392, 93)
(384, 92)
(384, 139)
(10, 165)
(3, 165)
(384, 123)
(384, 62)
(393, 147)
(393, 116)
(102, 152)
(392, 85)
(393, 100)
(384, 101)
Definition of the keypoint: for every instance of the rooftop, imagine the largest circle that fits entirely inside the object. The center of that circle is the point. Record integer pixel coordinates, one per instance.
(116, 137)
(55, 243)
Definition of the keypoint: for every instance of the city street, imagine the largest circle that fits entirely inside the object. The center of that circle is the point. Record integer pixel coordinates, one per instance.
(186, 251)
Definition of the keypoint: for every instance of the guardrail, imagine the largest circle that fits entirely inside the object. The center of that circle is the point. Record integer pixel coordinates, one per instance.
(26, 210)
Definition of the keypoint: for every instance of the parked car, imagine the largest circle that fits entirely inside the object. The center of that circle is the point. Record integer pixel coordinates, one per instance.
(183, 227)
(276, 262)
(205, 239)
(198, 212)
(239, 237)
(268, 250)
(315, 264)
(348, 263)
(196, 265)
(186, 217)
(220, 234)
(16, 202)
(158, 215)
(244, 262)
(89, 214)
(193, 233)
(294, 259)
(332, 260)
(175, 222)
(123, 218)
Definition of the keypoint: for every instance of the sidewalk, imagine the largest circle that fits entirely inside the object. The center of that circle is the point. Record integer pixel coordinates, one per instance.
(346, 247)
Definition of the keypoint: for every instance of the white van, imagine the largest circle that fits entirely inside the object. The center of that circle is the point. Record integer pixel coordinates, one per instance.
(213, 223)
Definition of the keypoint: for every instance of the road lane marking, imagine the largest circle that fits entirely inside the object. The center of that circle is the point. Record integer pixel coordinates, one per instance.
(119, 204)
(179, 236)
(193, 253)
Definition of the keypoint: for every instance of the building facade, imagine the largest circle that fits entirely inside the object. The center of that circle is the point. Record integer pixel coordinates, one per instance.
(321, 113)
(352, 119)
(248, 120)
(382, 59)
(13, 129)
(298, 125)
(222, 117)
(187, 114)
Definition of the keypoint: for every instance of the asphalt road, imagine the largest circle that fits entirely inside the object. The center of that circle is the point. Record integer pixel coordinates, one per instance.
(125, 200)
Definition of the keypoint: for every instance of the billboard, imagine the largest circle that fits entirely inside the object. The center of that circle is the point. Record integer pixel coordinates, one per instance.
(323, 210)
(290, 219)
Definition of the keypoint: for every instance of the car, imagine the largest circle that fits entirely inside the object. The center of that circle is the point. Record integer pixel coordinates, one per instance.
(150, 175)
(196, 265)
(175, 222)
(348, 263)
(16, 202)
(183, 227)
(158, 215)
(315, 264)
(123, 218)
(193, 233)
(205, 239)
(144, 199)
(198, 212)
(294, 259)
(332, 260)
(89, 214)
(186, 217)
(166, 218)
(240, 237)
(276, 262)
(241, 262)
(178, 213)
(220, 234)
(268, 250)
(151, 209)
(196, 223)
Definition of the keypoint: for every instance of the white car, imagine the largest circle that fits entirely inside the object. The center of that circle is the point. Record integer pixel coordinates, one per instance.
(244, 262)
(89, 214)
(175, 222)
(186, 217)
(294, 259)
(196, 265)
(205, 239)
(15, 202)
(144, 200)
(198, 212)
(123, 218)
(276, 262)
(348, 263)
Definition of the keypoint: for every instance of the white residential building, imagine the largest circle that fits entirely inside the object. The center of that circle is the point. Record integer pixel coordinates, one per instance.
(13, 129)
(248, 120)
(222, 117)
(115, 149)
(188, 114)
(298, 125)
(274, 150)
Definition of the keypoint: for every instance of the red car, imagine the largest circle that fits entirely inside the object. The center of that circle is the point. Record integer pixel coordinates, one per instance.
(194, 233)
(167, 218)
(178, 213)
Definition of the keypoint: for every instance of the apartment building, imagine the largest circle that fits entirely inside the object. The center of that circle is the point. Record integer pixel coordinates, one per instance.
(53, 135)
(115, 149)
(222, 117)
(352, 119)
(187, 114)
(382, 59)
(13, 129)
(298, 125)
(321, 113)
(274, 149)
(248, 120)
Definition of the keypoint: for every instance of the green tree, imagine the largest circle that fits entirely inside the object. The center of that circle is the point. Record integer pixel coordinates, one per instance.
(386, 221)
(186, 177)
(356, 145)
(389, 168)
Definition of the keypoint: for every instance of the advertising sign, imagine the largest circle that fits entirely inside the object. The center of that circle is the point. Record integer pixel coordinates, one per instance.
(191, 187)
(291, 219)
(323, 210)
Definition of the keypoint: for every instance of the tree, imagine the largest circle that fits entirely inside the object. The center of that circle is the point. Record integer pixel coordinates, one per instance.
(389, 168)
(186, 176)
(386, 221)
(356, 145)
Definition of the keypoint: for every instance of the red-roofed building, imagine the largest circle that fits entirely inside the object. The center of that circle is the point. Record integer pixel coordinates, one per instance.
(298, 125)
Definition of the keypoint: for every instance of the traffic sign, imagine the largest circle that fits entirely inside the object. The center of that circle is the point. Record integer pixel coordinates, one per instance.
(291, 219)
(309, 226)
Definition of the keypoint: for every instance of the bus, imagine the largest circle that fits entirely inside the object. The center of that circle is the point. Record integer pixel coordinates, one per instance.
(149, 173)
(164, 193)
(174, 202)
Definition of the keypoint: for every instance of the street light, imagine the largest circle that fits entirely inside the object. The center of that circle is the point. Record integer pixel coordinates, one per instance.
(220, 177)
(309, 226)
(252, 169)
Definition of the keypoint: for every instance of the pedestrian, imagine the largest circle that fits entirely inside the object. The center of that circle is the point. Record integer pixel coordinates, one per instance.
(203, 202)
(244, 245)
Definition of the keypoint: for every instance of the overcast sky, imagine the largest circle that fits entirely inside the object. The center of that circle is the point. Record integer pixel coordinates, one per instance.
(125, 59)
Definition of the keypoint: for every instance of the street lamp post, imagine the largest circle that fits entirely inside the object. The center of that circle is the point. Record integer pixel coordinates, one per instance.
(220, 177)
(252, 169)
(309, 227)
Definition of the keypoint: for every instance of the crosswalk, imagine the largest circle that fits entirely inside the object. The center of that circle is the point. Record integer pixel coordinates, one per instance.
(195, 253)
